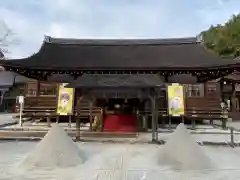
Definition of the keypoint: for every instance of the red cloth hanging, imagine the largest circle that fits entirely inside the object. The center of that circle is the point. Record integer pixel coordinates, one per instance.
(120, 123)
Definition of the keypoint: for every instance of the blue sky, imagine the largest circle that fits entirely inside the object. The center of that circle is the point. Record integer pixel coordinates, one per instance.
(32, 19)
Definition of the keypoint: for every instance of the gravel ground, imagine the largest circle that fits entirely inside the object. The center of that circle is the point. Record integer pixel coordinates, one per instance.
(138, 163)
(6, 118)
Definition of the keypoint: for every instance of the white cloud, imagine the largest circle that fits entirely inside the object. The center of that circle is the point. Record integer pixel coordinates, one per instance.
(28, 31)
(55, 30)
(220, 2)
(219, 13)
(33, 19)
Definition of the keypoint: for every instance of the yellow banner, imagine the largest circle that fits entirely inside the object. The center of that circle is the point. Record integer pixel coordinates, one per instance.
(65, 100)
(175, 100)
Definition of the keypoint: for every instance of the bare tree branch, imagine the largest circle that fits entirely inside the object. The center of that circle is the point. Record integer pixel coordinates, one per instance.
(7, 37)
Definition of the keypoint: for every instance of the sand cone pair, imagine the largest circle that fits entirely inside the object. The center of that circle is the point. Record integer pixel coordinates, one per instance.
(58, 150)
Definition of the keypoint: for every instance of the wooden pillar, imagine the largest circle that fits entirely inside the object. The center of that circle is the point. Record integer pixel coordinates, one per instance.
(70, 121)
(233, 98)
(77, 128)
(49, 121)
(156, 117)
(38, 89)
(102, 119)
(78, 108)
(221, 90)
(182, 119)
(77, 119)
(90, 114)
(145, 124)
(169, 122)
(193, 123)
(139, 123)
(144, 117)
(163, 120)
(57, 119)
(232, 136)
(153, 100)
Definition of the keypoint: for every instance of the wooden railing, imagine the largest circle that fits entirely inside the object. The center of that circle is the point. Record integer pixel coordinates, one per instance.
(193, 115)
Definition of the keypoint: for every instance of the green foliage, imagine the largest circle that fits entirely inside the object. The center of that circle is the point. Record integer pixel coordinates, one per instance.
(224, 39)
(15, 90)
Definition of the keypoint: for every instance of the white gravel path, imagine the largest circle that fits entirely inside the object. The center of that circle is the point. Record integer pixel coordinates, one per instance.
(6, 118)
(139, 164)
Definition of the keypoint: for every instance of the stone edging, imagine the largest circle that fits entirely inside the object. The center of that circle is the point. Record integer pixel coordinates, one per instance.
(69, 130)
(8, 124)
(160, 142)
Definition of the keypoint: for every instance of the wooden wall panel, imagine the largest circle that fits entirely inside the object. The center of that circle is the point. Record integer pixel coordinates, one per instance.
(31, 88)
(40, 94)
(210, 100)
(47, 89)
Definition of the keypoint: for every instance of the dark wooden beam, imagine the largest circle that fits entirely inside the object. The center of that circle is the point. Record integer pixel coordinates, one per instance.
(153, 112)
(156, 116)
(38, 88)
(166, 78)
(221, 82)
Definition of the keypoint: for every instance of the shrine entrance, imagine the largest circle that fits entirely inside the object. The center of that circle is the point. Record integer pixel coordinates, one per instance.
(121, 97)
(121, 115)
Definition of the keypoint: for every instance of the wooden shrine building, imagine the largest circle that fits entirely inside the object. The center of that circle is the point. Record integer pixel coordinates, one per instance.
(124, 75)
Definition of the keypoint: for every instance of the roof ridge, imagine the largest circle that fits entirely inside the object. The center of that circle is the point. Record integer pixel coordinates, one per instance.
(165, 41)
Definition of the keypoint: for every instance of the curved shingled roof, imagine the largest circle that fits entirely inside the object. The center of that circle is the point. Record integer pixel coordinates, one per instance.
(102, 54)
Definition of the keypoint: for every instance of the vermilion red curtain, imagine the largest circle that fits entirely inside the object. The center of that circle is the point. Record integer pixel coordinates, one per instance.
(120, 123)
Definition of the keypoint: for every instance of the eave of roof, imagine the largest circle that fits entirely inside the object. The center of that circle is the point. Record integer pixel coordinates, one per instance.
(120, 54)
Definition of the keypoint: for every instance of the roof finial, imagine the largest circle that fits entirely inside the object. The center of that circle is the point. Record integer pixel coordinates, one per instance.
(47, 38)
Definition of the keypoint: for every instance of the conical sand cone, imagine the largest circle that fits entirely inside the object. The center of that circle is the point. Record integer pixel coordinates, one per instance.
(182, 152)
(56, 149)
